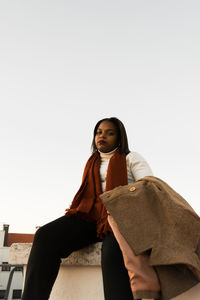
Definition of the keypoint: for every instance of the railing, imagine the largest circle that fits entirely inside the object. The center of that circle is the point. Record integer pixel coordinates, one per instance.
(17, 268)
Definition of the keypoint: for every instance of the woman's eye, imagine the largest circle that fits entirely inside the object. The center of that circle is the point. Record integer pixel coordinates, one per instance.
(108, 133)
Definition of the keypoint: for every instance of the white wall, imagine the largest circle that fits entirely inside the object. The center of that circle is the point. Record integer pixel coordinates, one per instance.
(1, 238)
(4, 275)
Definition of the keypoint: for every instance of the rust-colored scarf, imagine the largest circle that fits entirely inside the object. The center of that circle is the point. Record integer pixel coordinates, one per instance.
(87, 203)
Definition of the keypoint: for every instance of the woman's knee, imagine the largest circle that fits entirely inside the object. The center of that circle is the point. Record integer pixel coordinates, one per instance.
(50, 232)
(42, 235)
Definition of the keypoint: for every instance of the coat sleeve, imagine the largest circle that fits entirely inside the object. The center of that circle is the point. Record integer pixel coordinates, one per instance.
(138, 166)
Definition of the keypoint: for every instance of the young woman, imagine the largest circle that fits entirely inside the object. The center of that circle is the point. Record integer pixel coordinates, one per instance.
(85, 222)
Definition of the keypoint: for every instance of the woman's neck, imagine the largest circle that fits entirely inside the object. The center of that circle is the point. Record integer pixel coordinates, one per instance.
(107, 154)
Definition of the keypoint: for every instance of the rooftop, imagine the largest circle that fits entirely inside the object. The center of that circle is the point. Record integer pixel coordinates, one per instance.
(19, 238)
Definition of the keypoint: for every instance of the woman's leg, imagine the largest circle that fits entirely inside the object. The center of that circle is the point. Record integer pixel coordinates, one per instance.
(52, 242)
(115, 275)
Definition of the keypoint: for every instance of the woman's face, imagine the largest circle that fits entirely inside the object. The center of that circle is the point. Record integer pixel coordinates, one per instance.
(106, 138)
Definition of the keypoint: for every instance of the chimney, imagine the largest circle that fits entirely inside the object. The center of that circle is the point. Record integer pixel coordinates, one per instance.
(5, 228)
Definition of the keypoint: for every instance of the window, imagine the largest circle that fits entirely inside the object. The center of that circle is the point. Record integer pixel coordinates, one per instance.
(2, 294)
(5, 267)
(17, 294)
(19, 269)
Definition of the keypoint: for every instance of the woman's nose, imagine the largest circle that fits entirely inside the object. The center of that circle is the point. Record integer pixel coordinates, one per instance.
(102, 134)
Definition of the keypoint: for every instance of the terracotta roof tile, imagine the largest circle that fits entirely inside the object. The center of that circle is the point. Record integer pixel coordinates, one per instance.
(19, 238)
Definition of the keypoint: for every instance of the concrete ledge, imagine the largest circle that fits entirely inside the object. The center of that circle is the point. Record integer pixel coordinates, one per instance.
(80, 276)
(90, 256)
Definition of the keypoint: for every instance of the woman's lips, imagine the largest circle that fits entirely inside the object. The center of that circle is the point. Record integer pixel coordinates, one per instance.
(101, 142)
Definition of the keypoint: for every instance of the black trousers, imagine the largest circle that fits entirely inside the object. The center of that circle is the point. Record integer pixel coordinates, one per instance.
(59, 239)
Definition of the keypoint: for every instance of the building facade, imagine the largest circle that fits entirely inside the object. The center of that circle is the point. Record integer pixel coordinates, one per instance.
(11, 276)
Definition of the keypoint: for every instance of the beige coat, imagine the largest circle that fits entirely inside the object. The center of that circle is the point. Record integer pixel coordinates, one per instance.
(153, 217)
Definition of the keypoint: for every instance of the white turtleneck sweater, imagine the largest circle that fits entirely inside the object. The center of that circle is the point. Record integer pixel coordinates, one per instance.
(137, 167)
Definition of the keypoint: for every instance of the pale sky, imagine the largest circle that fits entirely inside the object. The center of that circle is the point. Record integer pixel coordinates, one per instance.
(66, 64)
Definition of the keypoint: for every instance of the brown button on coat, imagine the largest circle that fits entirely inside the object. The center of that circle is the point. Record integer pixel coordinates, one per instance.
(153, 217)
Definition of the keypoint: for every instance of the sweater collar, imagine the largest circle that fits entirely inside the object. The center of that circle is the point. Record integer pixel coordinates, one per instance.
(107, 155)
